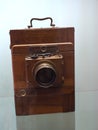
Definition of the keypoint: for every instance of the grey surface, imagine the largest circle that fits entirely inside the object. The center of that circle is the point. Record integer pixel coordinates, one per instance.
(58, 121)
(7, 114)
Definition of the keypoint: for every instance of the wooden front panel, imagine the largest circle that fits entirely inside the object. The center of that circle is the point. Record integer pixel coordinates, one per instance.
(30, 100)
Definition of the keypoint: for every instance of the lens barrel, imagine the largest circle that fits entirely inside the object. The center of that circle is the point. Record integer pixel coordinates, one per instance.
(45, 74)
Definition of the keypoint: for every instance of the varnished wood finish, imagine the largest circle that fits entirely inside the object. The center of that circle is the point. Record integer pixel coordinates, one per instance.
(40, 100)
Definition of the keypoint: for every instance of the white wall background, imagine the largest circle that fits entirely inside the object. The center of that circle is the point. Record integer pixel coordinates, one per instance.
(81, 14)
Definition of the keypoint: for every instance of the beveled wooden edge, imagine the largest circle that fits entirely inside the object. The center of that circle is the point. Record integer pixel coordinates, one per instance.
(42, 44)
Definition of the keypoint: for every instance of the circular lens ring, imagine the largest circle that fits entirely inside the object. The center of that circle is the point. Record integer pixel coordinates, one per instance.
(45, 74)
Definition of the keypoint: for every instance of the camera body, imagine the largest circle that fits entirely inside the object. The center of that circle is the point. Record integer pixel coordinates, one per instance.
(43, 70)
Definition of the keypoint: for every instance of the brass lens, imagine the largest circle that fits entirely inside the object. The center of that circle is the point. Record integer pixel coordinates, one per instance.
(45, 75)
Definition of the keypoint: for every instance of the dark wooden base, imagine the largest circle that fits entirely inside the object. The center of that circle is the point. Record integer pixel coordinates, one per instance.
(48, 102)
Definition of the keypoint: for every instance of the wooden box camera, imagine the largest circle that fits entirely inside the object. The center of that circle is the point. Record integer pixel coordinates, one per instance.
(43, 70)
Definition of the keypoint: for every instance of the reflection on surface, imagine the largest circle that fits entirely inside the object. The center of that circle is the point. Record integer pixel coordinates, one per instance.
(59, 121)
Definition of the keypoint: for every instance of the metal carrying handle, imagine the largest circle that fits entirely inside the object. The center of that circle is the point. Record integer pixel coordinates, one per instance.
(40, 19)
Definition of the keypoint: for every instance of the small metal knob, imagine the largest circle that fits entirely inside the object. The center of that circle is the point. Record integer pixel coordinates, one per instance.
(22, 93)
